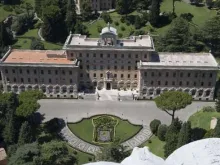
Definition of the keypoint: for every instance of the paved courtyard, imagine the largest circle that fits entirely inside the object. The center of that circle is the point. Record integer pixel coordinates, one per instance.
(138, 112)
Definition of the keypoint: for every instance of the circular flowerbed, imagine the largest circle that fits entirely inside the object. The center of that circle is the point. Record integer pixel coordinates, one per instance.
(103, 129)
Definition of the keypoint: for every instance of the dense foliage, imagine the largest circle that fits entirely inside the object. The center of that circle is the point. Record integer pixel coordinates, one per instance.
(161, 132)
(173, 101)
(184, 134)
(216, 132)
(154, 124)
(36, 45)
(154, 12)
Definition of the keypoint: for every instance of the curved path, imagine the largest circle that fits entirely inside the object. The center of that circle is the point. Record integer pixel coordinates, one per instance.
(80, 144)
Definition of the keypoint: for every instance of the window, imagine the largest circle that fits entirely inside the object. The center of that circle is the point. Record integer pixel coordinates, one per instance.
(174, 74)
(63, 72)
(189, 74)
(87, 55)
(35, 72)
(122, 67)
(173, 83)
(181, 74)
(145, 74)
(115, 55)
(36, 81)
(81, 67)
(159, 74)
(122, 56)
(70, 72)
(187, 83)
(167, 74)
(129, 62)
(129, 56)
(29, 80)
(6, 70)
(101, 55)
(87, 67)
(94, 75)
(145, 56)
(101, 75)
(210, 75)
(194, 83)
(129, 67)
(101, 67)
(202, 83)
(180, 83)
(42, 72)
(22, 80)
(122, 75)
(115, 67)
(209, 84)
(87, 74)
(13, 70)
(71, 54)
(14, 79)
(136, 56)
(115, 75)
(152, 83)
(56, 72)
(94, 67)
(196, 74)
(94, 55)
(49, 71)
(128, 75)
(135, 68)
(21, 71)
(49, 80)
(71, 81)
(80, 54)
(135, 76)
(108, 55)
(203, 75)
(158, 82)
(81, 75)
(152, 74)
(108, 67)
(166, 83)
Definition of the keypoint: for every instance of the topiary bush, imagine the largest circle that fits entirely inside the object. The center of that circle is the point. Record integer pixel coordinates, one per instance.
(123, 28)
(161, 132)
(154, 126)
(116, 23)
(208, 109)
(209, 134)
(120, 35)
(123, 19)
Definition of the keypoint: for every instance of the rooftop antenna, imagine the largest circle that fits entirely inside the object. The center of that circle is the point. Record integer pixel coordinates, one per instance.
(108, 26)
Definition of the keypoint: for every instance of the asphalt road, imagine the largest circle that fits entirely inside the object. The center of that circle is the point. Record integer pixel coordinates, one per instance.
(138, 112)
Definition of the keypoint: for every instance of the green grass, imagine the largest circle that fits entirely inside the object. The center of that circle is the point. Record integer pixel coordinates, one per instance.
(22, 43)
(31, 33)
(3, 13)
(81, 156)
(156, 146)
(52, 46)
(84, 129)
(202, 119)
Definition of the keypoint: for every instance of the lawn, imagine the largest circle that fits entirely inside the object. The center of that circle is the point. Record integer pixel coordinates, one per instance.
(156, 146)
(3, 13)
(202, 119)
(22, 43)
(84, 129)
(31, 33)
(81, 156)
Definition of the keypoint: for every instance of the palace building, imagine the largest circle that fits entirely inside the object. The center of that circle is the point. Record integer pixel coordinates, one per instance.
(107, 62)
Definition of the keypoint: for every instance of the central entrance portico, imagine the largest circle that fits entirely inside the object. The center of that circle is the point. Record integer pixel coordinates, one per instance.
(108, 86)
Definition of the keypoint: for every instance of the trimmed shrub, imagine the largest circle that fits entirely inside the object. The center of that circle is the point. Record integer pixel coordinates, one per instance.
(161, 132)
(8, 8)
(128, 24)
(154, 126)
(123, 19)
(120, 35)
(123, 28)
(197, 133)
(208, 109)
(99, 28)
(116, 23)
(209, 134)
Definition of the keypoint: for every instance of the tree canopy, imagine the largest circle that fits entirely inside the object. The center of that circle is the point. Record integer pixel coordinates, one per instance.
(173, 101)
(123, 6)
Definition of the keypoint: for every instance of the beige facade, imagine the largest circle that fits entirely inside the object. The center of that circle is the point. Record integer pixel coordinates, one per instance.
(89, 64)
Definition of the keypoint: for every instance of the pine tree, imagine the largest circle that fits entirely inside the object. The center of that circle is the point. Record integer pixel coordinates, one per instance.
(38, 7)
(217, 130)
(154, 12)
(217, 104)
(171, 144)
(9, 131)
(174, 128)
(25, 135)
(184, 136)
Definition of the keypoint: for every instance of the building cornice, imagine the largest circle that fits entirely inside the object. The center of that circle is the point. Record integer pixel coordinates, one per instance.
(159, 67)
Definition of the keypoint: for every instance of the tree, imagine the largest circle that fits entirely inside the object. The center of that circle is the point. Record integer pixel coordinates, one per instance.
(171, 145)
(25, 155)
(9, 132)
(178, 37)
(70, 15)
(138, 22)
(184, 135)
(154, 124)
(217, 104)
(86, 9)
(37, 45)
(106, 17)
(154, 12)
(161, 132)
(56, 153)
(123, 6)
(212, 34)
(216, 132)
(113, 153)
(187, 16)
(25, 135)
(173, 101)
(174, 128)
(33, 94)
(27, 108)
(80, 28)
(38, 7)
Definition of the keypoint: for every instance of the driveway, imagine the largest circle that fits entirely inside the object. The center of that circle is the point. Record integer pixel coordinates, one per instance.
(138, 112)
